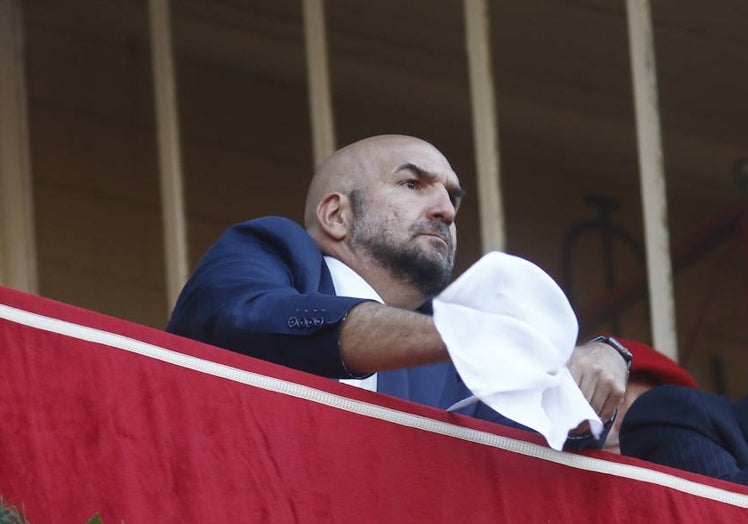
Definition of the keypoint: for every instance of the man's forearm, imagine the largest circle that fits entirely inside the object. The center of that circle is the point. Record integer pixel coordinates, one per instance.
(375, 337)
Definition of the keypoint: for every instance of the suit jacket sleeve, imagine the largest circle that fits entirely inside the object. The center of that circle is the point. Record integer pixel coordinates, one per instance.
(688, 429)
(263, 290)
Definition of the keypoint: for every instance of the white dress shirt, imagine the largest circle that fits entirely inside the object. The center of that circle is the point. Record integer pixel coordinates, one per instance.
(348, 283)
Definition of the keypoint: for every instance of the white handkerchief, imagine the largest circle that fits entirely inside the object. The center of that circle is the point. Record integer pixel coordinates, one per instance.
(510, 330)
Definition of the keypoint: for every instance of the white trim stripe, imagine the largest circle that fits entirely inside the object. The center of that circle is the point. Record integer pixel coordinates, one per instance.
(293, 389)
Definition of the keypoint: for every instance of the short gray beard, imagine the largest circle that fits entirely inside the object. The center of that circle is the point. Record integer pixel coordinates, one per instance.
(409, 263)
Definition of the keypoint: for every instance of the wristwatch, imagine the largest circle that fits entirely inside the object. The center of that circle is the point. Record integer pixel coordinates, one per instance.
(612, 342)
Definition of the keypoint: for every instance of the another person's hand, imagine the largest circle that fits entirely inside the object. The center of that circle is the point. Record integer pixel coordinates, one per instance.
(601, 374)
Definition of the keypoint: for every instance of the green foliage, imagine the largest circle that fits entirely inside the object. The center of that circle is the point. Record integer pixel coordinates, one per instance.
(96, 519)
(10, 515)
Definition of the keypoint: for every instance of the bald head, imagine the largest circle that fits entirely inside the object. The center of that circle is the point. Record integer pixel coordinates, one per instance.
(385, 206)
(353, 167)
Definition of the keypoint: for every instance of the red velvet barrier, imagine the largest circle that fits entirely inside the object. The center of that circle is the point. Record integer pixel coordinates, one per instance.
(99, 415)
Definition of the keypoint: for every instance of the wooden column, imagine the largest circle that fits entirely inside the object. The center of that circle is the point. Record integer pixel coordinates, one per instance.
(485, 125)
(169, 152)
(654, 197)
(318, 78)
(18, 261)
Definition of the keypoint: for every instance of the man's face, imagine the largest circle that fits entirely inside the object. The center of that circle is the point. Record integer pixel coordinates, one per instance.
(404, 219)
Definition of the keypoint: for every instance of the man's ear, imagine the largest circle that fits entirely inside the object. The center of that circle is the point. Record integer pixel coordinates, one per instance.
(334, 215)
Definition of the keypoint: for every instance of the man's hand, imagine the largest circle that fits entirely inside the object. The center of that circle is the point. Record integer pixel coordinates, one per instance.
(601, 374)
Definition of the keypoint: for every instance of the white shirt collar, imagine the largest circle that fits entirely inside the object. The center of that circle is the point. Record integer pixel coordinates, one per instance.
(348, 283)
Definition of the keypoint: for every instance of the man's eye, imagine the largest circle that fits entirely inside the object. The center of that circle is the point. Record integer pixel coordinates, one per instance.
(411, 184)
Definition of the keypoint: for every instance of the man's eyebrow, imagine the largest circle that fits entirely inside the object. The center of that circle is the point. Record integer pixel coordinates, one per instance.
(455, 193)
(416, 170)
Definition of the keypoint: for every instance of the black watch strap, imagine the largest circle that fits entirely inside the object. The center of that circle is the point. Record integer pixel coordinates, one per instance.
(615, 344)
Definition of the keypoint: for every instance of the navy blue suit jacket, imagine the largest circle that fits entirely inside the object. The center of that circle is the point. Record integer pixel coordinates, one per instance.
(691, 430)
(263, 289)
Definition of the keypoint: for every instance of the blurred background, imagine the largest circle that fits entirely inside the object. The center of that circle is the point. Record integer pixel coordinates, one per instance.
(82, 200)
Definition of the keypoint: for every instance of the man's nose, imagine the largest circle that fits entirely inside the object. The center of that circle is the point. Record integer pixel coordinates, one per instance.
(442, 207)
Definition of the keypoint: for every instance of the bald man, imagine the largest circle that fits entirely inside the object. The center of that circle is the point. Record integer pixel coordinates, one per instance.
(348, 297)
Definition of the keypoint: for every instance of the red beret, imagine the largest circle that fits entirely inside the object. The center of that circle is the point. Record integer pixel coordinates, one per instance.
(649, 360)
